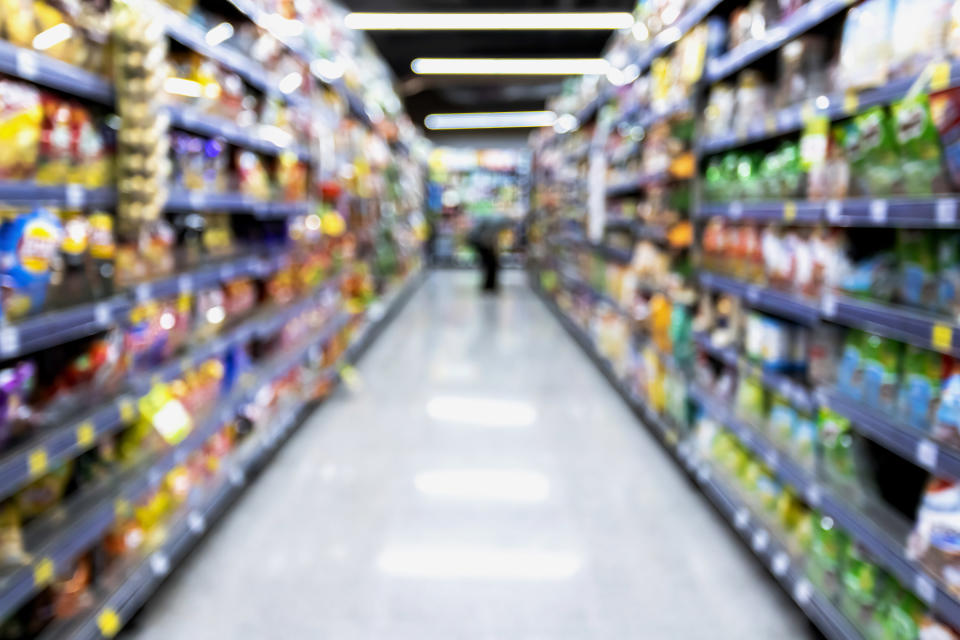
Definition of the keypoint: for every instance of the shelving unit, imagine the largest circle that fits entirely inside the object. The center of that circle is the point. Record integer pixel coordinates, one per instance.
(684, 382)
(306, 309)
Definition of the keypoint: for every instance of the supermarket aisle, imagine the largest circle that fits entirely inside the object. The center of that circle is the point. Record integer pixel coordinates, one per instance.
(485, 482)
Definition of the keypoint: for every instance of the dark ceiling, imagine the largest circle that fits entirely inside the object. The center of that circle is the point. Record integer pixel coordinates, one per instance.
(446, 94)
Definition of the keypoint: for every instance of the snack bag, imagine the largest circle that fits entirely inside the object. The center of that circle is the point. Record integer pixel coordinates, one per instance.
(21, 115)
(946, 427)
(919, 145)
(28, 247)
(871, 147)
(850, 367)
(948, 273)
(836, 438)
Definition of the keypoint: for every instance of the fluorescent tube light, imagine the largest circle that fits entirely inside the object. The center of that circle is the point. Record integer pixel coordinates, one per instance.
(290, 83)
(510, 66)
(53, 36)
(219, 34)
(486, 21)
(493, 120)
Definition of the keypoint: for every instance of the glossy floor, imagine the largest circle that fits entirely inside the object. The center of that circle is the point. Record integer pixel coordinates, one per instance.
(483, 482)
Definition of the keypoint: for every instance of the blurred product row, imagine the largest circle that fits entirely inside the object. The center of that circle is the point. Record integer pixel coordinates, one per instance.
(753, 227)
(204, 207)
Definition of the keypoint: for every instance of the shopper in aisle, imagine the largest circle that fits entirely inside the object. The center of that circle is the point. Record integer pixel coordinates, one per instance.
(484, 239)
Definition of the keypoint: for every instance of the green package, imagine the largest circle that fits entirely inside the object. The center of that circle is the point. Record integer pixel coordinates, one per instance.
(825, 562)
(750, 400)
(871, 147)
(783, 418)
(919, 144)
(836, 440)
(902, 615)
(864, 584)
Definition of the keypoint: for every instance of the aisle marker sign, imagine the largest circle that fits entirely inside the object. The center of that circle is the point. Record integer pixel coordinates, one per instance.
(85, 435)
(851, 102)
(43, 572)
(37, 462)
(789, 211)
(940, 76)
(941, 337)
(108, 622)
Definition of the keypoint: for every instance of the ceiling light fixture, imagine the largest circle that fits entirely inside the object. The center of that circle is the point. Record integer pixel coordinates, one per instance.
(389, 21)
(219, 34)
(491, 120)
(510, 66)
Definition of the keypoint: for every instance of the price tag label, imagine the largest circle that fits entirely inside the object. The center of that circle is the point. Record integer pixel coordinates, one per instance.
(121, 507)
(237, 477)
(126, 409)
(813, 496)
(160, 564)
(741, 518)
(736, 210)
(9, 340)
(37, 462)
(941, 337)
(28, 64)
(196, 522)
(828, 305)
(780, 564)
(926, 454)
(851, 102)
(102, 314)
(196, 200)
(789, 211)
(760, 540)
(946, 212)
(43, 572)
(74, 196)
(770, 124)
(924, 588)
(878, 211)
(703, 473)
(940, 76)
(85, 435)
(108, 622)
(753, 294)
(802, 592)
(834, 210)
(142, 292)
(227, 272)
(808, 112)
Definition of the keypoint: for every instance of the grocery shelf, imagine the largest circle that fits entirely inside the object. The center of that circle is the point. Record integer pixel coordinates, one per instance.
(640, 229)
(780, 304)
(908, 442)
(41, 69)
(802, 20)
(641, 182)
(234, 202)
(900, 323)
(203, 124)
(666, 38)
(834, 107)
(571, 282)
(795, 392)
(70, 437)
(651, 117)
(51, 328)
(96, 512)
(772, 554)
(612, 254)
(67, 196)
(919, 212)
(767, 549)
(143, 578)
(855, 515)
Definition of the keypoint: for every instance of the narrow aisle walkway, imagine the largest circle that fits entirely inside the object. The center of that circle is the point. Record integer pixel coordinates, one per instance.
(484, 482)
